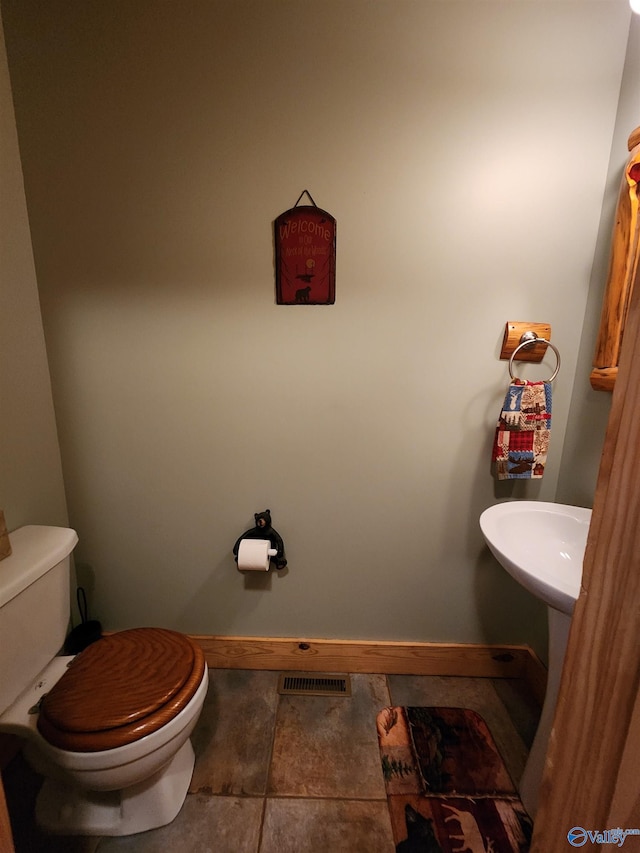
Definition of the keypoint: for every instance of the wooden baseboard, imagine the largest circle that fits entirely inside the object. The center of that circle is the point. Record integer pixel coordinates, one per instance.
(391, 658)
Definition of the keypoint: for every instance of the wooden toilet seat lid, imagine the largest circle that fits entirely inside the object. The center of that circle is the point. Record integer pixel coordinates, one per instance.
(121, 688)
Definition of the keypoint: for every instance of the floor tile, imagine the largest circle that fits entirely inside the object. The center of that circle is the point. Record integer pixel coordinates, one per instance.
(320, 826)
(206, 824)
(233, 738)
(316, 758)
(477, 694)
(327, 746)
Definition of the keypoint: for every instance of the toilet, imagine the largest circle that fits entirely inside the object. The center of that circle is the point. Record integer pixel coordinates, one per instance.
(109, 728)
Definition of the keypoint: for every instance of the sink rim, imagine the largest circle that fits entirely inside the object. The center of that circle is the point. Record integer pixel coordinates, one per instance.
(557, 591)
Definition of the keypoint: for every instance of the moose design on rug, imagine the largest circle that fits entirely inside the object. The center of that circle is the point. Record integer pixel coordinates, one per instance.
(471, 837)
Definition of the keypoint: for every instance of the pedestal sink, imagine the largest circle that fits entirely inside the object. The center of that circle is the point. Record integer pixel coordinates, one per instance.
(541, 545)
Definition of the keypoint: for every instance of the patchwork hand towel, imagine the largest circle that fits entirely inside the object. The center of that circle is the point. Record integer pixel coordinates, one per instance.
(522, 435)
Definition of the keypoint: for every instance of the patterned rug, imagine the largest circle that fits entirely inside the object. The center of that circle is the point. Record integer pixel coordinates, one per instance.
(448, 790)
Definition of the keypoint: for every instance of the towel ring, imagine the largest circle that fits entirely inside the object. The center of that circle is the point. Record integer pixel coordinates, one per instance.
(528, 343)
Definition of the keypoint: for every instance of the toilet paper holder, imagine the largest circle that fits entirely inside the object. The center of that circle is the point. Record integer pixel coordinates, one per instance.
(264, 530)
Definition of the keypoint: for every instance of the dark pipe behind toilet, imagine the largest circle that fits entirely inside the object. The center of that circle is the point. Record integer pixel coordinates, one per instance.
(84, 634)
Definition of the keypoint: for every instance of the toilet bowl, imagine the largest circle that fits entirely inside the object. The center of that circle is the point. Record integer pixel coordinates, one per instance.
(109, 728)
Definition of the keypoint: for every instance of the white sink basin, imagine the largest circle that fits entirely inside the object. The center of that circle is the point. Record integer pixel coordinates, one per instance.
(541, 545)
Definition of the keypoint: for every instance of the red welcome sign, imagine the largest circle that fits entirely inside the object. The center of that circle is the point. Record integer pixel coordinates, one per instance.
(305, 239)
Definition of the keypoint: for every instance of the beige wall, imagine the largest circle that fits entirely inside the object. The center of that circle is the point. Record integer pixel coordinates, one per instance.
(463, 148)
(31, 487)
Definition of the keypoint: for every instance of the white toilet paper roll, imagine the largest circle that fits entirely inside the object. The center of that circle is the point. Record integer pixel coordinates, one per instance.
(254, 555)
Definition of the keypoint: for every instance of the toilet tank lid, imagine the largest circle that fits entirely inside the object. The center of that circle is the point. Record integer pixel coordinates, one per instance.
(34, 550)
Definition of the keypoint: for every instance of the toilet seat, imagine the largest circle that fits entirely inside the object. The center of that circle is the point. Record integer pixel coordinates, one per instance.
(121, 688)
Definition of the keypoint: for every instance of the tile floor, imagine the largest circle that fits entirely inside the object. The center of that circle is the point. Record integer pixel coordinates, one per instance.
(290, 774)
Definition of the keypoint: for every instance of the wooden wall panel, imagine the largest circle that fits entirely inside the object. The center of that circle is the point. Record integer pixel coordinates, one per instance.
(596, 732)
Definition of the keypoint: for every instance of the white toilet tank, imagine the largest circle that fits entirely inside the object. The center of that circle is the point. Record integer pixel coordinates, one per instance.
(34, 604)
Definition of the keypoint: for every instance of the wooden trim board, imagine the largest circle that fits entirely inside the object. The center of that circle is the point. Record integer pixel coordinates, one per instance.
(473, 660)
(391, 658)
(6, 837)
